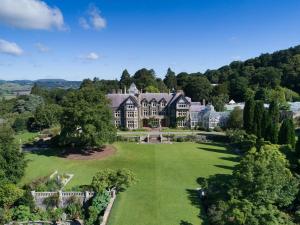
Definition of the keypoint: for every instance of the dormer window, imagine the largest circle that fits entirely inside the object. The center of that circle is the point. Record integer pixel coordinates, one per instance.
(144, 104)
(153, 104)
(163, 104)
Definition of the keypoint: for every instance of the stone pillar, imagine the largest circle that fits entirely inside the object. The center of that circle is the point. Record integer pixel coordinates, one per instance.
(33, 194)
(60, 199)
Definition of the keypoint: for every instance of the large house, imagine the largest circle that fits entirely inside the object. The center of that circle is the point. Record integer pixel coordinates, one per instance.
(133, 109)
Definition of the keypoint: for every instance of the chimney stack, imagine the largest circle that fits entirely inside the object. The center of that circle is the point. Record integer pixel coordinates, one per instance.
(203, 102)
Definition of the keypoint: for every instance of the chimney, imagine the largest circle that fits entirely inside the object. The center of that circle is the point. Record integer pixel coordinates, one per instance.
(203, 102)
(125, 89)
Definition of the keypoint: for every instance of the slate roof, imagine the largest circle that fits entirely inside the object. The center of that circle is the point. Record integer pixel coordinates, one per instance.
(117, 99)
(197, 107)
(157, 96)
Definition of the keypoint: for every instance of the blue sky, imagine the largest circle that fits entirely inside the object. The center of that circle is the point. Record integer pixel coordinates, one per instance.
(186, 35)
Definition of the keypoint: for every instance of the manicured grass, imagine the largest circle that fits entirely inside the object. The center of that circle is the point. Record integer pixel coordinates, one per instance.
(165, 193)
(26, 137)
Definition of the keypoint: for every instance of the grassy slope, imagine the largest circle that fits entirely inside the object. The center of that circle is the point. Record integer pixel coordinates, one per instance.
(167, 177)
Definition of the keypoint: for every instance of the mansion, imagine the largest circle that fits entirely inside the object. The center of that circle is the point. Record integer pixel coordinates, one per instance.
(134, 109)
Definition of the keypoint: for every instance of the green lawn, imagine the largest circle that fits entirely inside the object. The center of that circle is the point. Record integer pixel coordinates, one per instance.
(25, 137)
(165, 193)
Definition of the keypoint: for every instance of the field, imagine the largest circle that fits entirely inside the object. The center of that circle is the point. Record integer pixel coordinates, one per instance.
(167, 178)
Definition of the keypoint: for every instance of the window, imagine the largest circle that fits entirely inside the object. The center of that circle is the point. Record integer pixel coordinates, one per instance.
(154, 112)
(130, 124)
(153, 104)
(181, 123)
(144, 104)
(181, 105)
(181, 113)
(163, 104)
(130, 114)
(117, 113)
(117, 123)
(145, 112)
(130, 106)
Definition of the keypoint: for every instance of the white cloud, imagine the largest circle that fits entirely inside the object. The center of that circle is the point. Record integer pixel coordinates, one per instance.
(83, 23)
(92, 56)
(10, 48)
(94, 20)
(41, 47)
(30, 14)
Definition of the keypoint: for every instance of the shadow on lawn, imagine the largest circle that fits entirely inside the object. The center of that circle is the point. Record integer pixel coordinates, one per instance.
(194, 197)
(231, 158)
(225, 151)
(225, 167)
(182, 222)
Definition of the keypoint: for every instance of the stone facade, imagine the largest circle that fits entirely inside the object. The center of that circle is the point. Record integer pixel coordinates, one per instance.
(134, 109)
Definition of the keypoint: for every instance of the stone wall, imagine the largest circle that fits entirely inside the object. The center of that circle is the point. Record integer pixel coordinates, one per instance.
(64, 197)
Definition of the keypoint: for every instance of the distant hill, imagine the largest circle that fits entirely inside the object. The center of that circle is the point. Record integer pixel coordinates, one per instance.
(20, 87)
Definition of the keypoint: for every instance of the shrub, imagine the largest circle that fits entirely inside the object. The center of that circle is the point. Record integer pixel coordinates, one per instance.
(99, 204)
(218, 129)
(5, 215)
(74, 211)
(56, 214)
(21, 213)
(27, 199)
(20, 124)
(52, 201)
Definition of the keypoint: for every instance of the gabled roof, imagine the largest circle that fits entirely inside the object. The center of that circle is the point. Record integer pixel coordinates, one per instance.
(116, 100)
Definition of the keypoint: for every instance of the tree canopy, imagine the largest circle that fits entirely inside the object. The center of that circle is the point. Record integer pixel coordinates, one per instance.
(86, 119)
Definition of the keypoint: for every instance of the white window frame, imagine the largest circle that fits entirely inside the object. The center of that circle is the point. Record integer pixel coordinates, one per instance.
(117, 113)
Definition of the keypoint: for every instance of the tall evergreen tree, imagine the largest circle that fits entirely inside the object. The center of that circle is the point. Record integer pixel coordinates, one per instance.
(249, 115)
(287, 133)
(273, 126)
(266, 121)
(170, 79)
(125, 80)
(257, 121)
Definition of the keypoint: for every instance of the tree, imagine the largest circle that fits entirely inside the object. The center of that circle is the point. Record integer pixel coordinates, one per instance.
(86, 120)
(170, 80)
(263, 177)
(144, 78)
(108, 179)
(248, 115)
(237, 88)
(272, 126)
(235, 120)
(151, 89)
(47, 115)
(261, 186)
(267, 77)
(20, 123)
(125, 80)
(12, 162)
(198, 88)
(28, 103)
(257, 121)
(9, 194)
(219, 102)
(287, 133)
